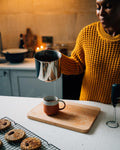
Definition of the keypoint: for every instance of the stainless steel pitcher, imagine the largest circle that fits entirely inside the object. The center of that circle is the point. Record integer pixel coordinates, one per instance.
(48, 66)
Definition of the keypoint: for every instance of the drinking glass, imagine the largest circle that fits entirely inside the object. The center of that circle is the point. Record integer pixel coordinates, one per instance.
(115, 97)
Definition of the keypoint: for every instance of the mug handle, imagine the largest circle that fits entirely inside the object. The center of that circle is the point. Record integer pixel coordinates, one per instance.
(63, 103)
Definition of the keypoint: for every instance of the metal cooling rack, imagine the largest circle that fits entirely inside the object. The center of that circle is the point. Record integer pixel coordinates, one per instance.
(16, 145)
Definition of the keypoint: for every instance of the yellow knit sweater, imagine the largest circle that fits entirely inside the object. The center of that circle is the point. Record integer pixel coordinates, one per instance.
(97, 54)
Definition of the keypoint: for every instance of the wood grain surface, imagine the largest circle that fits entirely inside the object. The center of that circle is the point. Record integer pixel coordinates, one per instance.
(76, 117)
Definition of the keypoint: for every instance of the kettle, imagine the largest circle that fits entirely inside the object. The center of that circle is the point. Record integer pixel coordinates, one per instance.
(48, 67)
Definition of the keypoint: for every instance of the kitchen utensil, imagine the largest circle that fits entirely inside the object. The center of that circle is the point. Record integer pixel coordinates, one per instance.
(76, 117)
(30, 42)
(14, 55)
(115, 97)
(48, 65)
(51, 105)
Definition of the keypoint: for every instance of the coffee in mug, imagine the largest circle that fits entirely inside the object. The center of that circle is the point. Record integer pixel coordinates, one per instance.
(51, 105)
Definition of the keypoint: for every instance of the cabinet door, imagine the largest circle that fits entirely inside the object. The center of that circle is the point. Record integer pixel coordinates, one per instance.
(5, 86)
(25, 83)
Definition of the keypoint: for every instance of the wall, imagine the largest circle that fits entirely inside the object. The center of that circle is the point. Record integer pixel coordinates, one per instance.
(62, 19)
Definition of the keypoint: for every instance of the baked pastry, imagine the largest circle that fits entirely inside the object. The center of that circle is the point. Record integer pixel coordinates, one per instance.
(14, 135)
(1, 143)
(4, 124)
(31, 143)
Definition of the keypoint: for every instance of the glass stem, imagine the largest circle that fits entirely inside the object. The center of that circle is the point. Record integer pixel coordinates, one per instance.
(115, 114)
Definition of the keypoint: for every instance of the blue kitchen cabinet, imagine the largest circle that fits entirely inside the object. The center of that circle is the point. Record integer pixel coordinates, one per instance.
(25, 83)
(5, 83)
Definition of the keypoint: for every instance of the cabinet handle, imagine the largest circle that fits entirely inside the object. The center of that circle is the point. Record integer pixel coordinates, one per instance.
(4, 73)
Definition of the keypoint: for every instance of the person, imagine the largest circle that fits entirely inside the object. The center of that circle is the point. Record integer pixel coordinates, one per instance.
(97, 54)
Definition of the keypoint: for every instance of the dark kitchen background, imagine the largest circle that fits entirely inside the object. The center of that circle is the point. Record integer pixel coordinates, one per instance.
(61, 19)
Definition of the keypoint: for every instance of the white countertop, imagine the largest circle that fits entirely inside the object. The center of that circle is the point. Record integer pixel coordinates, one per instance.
(28, 63)
(100, 137)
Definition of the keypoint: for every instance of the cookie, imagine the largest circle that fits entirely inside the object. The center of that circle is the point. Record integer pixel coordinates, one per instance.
(30, 143)
(14, 135)
(4, 124)
(1, 143)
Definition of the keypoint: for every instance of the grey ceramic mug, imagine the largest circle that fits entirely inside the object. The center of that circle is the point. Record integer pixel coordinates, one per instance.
(51, 105)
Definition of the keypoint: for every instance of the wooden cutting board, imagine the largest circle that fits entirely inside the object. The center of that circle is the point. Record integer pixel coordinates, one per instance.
(76, 117)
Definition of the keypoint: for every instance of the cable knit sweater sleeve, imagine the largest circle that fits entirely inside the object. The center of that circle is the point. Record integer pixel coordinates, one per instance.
(75, 64)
